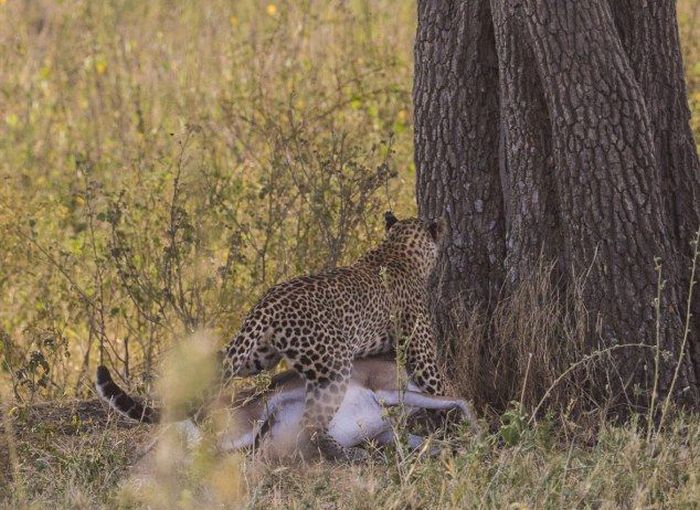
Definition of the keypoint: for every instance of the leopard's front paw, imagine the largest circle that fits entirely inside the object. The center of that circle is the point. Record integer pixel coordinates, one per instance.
(330, 449)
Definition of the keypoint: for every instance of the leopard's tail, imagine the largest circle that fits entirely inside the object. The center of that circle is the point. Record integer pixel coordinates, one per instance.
(121, 401)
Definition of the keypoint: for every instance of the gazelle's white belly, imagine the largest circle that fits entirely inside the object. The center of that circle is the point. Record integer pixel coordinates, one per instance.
(361, 417)
(358, 419)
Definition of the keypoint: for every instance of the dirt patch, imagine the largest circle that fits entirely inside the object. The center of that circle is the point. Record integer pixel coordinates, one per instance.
(69, 436)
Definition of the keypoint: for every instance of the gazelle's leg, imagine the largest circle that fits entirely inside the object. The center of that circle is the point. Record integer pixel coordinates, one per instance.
(414, 441)
(386, 437)
(282, 406)
(421, 400)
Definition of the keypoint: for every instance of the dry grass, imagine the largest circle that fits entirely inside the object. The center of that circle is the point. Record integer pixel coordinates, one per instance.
(68, 454)
(516, 354)
(165, 162)
(619, 469)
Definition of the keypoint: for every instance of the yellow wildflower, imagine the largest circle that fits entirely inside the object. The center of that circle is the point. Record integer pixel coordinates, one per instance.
(11, 119)
(100, 64)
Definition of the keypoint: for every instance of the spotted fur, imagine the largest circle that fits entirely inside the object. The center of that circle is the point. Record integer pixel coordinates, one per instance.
(320, 323)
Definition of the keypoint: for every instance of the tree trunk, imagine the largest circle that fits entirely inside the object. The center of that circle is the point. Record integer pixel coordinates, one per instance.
(649, 34)
(653, 25)
(597, 169)
(456, 140)
(532, 218)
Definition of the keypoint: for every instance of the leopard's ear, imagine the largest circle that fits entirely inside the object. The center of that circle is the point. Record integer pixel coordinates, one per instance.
(437, 229)
(389, 220)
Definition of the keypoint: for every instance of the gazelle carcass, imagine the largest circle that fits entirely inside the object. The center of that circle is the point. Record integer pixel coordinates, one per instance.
(271, 420)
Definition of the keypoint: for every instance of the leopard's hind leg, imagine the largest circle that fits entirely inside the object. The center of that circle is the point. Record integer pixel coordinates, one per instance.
(326, 376)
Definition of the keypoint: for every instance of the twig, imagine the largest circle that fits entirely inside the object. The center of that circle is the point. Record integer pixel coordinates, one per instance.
(686, 330)
(527, 373)
(580, 362)
(657, 306)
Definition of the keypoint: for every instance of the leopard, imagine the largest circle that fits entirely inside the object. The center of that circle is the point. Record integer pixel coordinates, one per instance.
(319, 324)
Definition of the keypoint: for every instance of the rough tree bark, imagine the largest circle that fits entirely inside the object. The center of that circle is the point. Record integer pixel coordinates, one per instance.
(641, 26)
(527, 163)
(652, 25)
(454, 96)
(597, 169)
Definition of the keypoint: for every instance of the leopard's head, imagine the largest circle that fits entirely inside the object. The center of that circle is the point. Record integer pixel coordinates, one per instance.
(416, 239)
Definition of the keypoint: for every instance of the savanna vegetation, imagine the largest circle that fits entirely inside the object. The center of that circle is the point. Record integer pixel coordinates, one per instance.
(162, 164)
